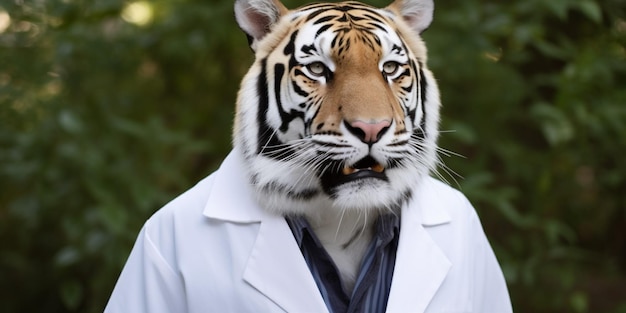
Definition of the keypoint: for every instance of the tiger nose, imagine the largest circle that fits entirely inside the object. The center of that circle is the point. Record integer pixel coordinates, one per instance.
(368, 132)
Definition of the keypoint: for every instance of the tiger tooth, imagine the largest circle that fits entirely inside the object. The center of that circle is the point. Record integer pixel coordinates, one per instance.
(348, 170)
(378, 168)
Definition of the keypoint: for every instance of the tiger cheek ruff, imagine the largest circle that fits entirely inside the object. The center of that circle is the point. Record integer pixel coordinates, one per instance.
(338, 110)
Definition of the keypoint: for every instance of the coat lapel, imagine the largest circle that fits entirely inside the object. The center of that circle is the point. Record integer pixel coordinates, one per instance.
(275, 266)
(277, 269)
(421, 266)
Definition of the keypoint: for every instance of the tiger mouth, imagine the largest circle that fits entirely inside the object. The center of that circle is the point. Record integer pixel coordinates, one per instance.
(367, 168)
(349, 174)
(367, 164)
(348, 170)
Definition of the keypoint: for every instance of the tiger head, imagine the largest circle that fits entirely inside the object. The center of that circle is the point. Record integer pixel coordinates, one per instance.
(338, 110)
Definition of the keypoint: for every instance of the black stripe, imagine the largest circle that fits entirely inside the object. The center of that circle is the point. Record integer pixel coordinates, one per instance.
(346, 8)
(398, 144)
(322, 9)
(413, 112)
(378, 19)
(418, 135)
(408, 88)
(329, 144)
(324, 19)
(407, 72)
(265, 132)
(286, 118)
(358, 6)
(267, 140)
(423, 86)
(308, 49)
(297, 88)
(380, 27)
(290, 47)
(323, 29)
(315, 6)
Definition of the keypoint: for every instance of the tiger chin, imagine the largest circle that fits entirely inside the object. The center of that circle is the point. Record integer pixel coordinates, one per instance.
(337, 119)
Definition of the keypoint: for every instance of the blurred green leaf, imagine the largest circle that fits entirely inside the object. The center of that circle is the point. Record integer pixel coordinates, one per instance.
(558, 7)
(579, 302)
(591, 9)
(556, 126)
(71, 293)
(67, 256)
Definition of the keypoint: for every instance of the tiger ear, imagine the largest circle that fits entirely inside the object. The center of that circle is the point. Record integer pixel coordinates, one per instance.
(418, 14)
(255, 17)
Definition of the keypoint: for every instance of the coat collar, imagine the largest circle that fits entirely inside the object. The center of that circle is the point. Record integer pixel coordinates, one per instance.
(231, 197)
(277, 269)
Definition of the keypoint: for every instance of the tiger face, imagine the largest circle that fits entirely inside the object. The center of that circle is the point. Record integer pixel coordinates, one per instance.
(338, 110)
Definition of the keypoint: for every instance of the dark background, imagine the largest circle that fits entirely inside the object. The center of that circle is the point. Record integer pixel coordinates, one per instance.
(106, 115)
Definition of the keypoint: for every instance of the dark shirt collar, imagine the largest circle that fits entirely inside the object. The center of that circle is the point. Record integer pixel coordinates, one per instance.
(386, 228)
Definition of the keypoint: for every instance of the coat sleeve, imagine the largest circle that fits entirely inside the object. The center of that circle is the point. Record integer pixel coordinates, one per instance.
(147, 282)
(490, 290)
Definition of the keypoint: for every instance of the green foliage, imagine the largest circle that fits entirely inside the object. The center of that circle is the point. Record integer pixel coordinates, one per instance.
(103, 121)
(534, 92)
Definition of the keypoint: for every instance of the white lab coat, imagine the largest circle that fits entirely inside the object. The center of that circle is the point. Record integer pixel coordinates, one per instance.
(213, 249)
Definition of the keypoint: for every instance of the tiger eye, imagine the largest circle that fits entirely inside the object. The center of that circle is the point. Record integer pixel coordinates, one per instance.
(316, 68)
(389, 68)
